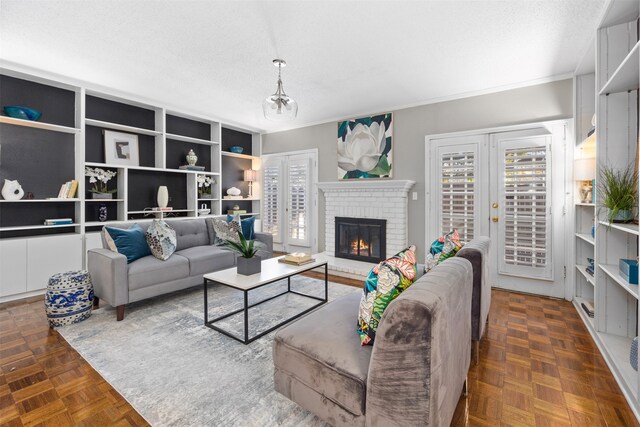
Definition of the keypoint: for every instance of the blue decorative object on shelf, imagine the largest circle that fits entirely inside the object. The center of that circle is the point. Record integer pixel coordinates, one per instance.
(24, 113)
(633, 354)
(69, 298)
(236, 149)
(629, 270)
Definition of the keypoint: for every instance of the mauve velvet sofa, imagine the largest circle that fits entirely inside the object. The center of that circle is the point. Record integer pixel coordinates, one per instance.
(414, 373)
(477, 252)
(119, 283)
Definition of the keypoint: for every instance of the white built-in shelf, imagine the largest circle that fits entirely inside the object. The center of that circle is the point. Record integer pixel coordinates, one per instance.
(586, 237)
(625, 77)
(39, 200)
(627, 228)
(583, 314)
(208, 200)
(240, 156)
(36, 227)
(613, 272)
(124, 128)
(190, 139)
(148, 168)
(582, 269)
(247, 199)
(103, 200)
(38, 125)
(100, 223)
(162, 212)
(590, 205)
(619, 349)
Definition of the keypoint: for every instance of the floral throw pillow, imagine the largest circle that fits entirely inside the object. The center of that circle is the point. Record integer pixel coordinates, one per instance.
(442, 248)
(385, 282)
(161, 239)
(226, 230)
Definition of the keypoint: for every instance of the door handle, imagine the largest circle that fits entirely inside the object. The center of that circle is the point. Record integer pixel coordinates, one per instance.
(494, 205)
(494, 219)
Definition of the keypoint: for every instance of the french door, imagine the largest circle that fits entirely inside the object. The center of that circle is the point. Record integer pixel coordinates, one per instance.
(504, 185)
(289, 201)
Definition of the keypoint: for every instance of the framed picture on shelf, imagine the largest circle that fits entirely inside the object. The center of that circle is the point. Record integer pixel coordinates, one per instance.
(121, 148)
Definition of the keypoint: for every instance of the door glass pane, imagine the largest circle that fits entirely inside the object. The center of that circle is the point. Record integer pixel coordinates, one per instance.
(457, 187)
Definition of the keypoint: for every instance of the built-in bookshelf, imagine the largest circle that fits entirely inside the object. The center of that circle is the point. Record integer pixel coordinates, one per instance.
(615, 94)
(70, 136)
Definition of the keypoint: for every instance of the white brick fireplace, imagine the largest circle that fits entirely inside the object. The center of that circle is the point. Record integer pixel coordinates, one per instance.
(377, 199)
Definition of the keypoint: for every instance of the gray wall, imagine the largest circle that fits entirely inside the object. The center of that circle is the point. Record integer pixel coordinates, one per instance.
(549, 101)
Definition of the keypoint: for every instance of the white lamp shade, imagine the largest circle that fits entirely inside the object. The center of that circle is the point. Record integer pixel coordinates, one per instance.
(584, 169)
(250, 175)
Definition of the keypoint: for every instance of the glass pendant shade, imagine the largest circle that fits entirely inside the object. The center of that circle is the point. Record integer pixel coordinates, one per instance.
(279, 106)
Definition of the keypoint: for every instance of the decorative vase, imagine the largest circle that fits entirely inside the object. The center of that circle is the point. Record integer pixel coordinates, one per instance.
(12, 190)
(163, 196)
(249, 266)
(192, 158)
(102, 195)
(623, 216)
(102, 212)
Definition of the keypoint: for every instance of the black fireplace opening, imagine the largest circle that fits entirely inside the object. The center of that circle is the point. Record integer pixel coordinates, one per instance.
(361, 239)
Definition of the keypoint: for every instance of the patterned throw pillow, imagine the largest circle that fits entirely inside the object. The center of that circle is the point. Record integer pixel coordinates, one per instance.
(161, 239)
(442, 248)
(226, 230)
(385, 282)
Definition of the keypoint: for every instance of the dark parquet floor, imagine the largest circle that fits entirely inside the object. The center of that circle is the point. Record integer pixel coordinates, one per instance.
(538, 366)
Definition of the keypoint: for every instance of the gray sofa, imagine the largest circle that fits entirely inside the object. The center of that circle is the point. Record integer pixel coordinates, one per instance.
(119, 283)
(412, 375)
(477, 252)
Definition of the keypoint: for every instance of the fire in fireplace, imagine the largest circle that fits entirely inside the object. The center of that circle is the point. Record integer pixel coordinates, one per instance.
(361, 239)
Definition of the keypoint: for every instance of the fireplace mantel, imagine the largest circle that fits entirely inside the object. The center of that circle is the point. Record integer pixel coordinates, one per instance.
(402, 185)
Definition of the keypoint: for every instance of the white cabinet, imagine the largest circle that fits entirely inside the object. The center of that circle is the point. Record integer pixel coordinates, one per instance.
(91, 241)
(27, 263)
(13, 267)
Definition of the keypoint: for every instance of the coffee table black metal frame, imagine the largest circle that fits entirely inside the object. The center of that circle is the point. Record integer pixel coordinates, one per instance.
(246, 339)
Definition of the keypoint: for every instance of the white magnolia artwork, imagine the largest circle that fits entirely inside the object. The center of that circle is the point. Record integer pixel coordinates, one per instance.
(365, 147)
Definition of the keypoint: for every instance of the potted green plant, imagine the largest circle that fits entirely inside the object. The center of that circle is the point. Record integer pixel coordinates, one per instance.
(618, 190)
(248, 262)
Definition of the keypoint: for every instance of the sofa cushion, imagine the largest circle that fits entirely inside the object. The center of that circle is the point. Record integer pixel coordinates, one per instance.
(247, 225)
(161, 239)
(150, 271)
(443, 248)
(190, 233)
(384, 283)
(130, 242)
(226, 230)
(205, 259)
(321, 350)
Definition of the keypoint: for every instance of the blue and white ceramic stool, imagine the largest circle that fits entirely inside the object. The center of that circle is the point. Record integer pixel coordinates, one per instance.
(69, 297)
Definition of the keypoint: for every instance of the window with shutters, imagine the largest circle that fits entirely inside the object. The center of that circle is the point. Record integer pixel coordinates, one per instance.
(457, 187)
(298, 203)
(271, 182)
(526, 197)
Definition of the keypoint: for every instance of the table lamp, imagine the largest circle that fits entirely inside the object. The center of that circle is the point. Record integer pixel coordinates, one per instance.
(250, 176)
(584, 171)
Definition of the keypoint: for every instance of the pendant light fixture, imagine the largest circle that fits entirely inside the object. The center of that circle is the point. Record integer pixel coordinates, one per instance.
(279, 106)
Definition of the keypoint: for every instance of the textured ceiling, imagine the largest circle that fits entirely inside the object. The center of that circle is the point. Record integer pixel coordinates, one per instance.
(345, 57)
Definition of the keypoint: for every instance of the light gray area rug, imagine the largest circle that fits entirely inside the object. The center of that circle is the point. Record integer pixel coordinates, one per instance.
(177, 372)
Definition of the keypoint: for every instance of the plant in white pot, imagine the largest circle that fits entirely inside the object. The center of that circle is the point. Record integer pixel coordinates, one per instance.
(248, 262)
(618, 191)
(100, 178)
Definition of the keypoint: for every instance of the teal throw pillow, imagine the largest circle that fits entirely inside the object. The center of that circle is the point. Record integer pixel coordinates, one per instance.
(247, 225)
(130, 242)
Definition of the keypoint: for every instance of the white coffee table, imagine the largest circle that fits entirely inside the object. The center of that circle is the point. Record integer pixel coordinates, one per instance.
(271, 271)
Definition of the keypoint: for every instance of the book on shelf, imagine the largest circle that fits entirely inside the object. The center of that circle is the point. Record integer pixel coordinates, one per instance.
(284, 261)
(233, 197)
(61, 192)
(191, 168)
(297, 257)
(588, 308)
(58, 221)
(159, 209)
(236, 211)
(72, 189)
(67, 190)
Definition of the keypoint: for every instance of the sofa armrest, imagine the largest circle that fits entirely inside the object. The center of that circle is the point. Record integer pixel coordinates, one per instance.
(421, 353)
(109, 274)
(267, 240)
(477, 252)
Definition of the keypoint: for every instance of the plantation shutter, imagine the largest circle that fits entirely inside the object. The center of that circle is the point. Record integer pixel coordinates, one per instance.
(272, 180)
(299, 200)
(525, 226)
(458, 189)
